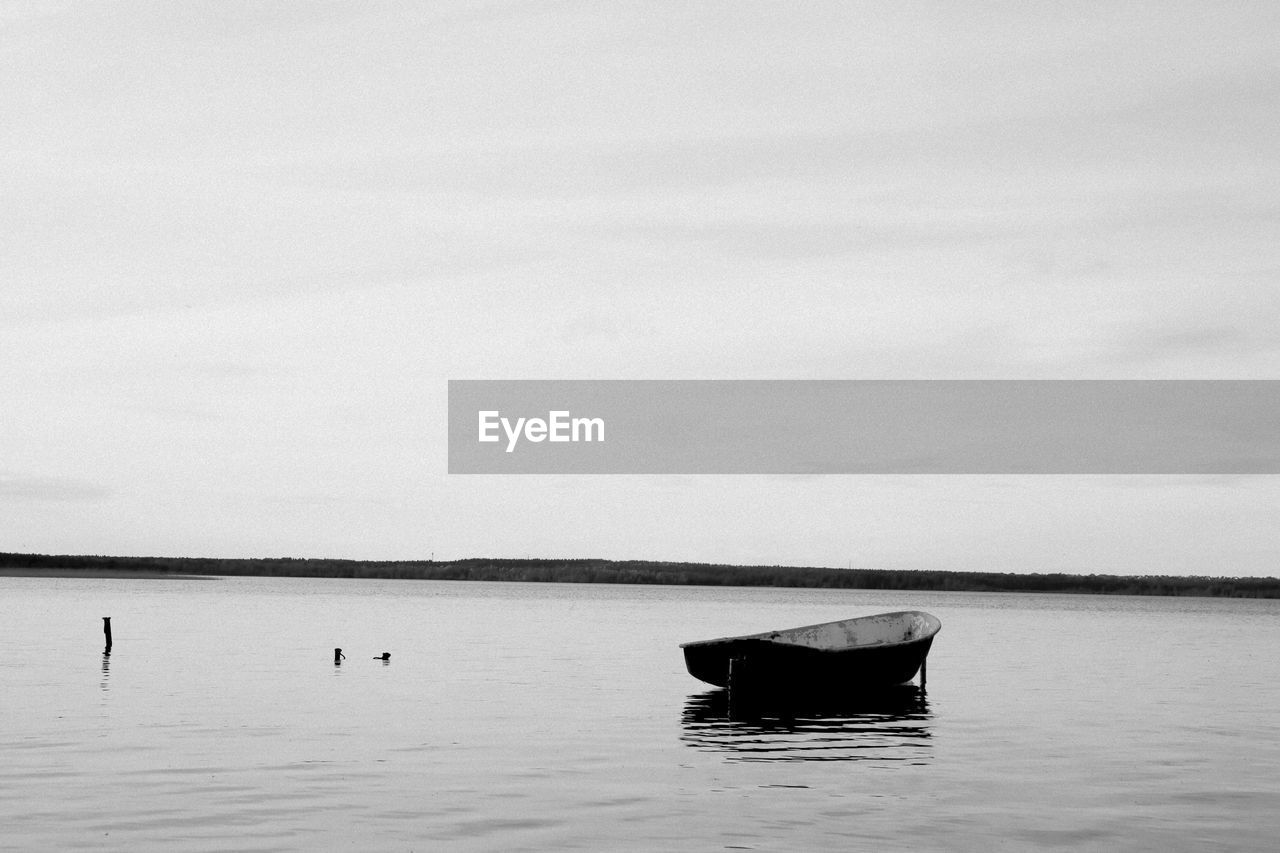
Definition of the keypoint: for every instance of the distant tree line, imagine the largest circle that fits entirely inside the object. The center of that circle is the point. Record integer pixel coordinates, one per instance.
(647, 572)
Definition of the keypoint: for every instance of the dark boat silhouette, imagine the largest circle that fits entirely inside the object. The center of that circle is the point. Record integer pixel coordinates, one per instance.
(851, 654)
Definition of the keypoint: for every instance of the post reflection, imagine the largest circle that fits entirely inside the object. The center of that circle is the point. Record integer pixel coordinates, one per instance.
(887, 726)
(106, 670)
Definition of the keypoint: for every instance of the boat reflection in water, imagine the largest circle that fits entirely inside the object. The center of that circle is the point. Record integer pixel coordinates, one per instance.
(888, 725)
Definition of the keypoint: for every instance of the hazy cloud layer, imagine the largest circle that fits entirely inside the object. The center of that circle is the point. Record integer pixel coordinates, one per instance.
(15, 487)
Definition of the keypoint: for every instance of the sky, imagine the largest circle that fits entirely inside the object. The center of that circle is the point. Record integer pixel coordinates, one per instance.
(244, 246)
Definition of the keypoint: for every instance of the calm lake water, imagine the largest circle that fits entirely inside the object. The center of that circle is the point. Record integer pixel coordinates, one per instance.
(550, 717)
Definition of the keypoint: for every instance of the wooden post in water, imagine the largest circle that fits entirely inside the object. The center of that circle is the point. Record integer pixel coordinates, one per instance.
(923, 664)
(106, 629)
(739, 674)
(740, 686)
(337, 657)
(731, 684)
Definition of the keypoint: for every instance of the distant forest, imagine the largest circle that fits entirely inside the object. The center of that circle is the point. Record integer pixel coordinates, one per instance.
(646, 572)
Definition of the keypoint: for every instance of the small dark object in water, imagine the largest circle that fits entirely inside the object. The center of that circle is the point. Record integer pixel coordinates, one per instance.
(106, 629)
(385, 657)
(338, 657)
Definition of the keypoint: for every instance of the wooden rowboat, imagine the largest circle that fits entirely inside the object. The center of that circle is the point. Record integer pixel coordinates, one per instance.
(851, 654)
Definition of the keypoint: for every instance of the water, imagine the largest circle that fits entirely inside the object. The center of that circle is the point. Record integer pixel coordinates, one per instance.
(549, 717)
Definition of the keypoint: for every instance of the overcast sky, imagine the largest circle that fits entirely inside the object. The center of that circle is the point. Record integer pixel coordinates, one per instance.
(244, 245)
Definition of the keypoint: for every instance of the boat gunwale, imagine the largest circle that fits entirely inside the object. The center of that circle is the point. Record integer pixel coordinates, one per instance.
(768, 636)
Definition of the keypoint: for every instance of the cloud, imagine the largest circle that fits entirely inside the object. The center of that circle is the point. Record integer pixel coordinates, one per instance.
(1204, 342)
(1201, 339)
(19, 488)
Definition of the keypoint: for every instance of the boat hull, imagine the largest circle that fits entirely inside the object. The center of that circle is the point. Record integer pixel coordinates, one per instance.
(776, 659)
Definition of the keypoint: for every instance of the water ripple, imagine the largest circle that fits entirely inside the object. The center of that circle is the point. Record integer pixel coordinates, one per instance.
(888, 727)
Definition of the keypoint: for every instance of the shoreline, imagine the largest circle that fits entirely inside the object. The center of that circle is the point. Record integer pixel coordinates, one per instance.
(28, 572)
(637, 572)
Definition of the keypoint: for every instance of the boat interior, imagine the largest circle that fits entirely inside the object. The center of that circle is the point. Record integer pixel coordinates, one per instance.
(868, 631)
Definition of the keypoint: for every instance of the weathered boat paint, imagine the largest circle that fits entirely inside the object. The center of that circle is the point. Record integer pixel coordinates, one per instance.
(849, 654)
